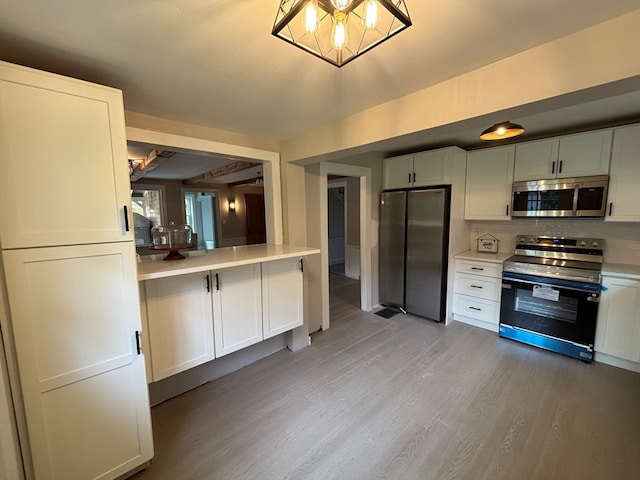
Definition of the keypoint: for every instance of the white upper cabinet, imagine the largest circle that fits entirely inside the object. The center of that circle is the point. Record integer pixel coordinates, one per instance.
(489, 179)
(420, 169)
(398, 172)
(536, 160)
(584, 154)
(63, 160)
(624, 182)
(578, 155)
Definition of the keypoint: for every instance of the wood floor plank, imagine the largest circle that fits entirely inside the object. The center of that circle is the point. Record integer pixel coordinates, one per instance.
(403, 398)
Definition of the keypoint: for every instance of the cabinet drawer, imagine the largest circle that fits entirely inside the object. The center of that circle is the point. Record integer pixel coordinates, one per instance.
(479, 309)
(479, 268)
(486, 288)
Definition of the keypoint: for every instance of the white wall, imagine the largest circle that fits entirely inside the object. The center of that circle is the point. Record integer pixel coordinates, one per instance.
(596, 56)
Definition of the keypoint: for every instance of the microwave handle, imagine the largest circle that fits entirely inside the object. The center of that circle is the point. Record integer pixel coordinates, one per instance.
(576, 191)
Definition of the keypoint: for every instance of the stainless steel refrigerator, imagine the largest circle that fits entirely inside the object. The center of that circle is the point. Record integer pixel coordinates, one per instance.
(414, 240)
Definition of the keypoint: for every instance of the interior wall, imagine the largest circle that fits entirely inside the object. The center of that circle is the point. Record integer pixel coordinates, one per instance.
(589, 58)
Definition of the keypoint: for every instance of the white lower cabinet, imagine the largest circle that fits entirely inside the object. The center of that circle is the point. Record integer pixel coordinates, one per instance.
(237, 308)
(180, 323)
(194, 318)
(75, 318)
(281, 296)
(618, 331)
(477, 289)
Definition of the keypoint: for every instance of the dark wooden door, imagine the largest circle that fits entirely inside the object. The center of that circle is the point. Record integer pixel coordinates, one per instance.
(256, 226)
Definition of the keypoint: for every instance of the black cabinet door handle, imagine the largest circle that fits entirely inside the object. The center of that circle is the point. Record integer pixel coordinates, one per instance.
(217, 282)
(553, 167)
(126, 219)
(507, 210)
(302, 265)
(475, 308)
(208, 283)
(138, 347)
(610, 208)
(409, 177)
(560, 167)
(414, 177)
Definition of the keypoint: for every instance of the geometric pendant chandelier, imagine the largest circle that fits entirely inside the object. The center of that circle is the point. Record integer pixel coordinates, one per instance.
(339, 30)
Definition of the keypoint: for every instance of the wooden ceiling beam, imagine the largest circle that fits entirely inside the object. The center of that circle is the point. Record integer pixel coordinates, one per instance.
(210, 176)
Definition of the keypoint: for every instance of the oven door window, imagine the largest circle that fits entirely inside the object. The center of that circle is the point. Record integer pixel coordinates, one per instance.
(546, 302)
(562, 313)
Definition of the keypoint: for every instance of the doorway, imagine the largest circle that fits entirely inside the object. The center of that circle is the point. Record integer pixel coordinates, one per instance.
(255, 218)
(343, 222)
(337, 223)
(362, 176)
(200, 213)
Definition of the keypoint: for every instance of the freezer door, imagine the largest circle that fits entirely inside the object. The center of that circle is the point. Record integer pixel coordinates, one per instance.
(392, 236)
(427, 242)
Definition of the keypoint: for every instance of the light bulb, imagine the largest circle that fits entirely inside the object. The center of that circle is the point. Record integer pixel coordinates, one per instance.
(310, 17)
(339, 33)
(501, 130)
(371, 14)
(340, 4)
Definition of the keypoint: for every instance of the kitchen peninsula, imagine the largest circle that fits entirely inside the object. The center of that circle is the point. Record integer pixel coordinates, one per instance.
(216, 302)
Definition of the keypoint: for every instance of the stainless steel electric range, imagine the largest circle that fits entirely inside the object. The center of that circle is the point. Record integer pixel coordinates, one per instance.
(550, 293)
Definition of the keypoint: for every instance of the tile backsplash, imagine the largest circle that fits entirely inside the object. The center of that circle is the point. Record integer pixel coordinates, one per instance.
(622, 239)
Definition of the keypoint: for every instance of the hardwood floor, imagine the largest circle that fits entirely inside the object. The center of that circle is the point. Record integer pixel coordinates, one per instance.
(404, 398)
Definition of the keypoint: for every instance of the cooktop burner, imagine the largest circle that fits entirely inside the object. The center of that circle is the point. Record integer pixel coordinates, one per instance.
(558, 257)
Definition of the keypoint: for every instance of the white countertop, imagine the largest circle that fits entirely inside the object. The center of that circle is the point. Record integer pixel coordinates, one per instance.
(621, 270)
(482, 256)
(152, 266)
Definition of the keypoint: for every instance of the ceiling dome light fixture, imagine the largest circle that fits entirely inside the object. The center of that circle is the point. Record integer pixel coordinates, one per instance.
(339, 30)
(503, 130)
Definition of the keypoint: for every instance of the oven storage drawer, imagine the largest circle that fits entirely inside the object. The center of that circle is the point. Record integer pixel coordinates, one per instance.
(476, 308)
(479, 268)
(476, 286)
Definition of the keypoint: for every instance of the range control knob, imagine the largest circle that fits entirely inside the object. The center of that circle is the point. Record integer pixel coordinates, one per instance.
(595, 244)
(532, 240)
(522, 239)
(583, 243)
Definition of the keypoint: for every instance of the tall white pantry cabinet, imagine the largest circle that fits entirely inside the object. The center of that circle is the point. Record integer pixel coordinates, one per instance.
(69, 274)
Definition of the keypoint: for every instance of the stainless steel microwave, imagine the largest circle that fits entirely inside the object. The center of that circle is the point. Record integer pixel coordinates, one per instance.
(560, 197)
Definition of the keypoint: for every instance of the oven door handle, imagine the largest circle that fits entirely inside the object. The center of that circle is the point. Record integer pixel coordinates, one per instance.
(551, 285)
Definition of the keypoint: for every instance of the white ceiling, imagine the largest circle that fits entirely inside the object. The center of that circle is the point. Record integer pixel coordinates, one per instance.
(215, 62)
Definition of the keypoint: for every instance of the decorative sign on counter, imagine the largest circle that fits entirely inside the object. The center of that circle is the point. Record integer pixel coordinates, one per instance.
(488, 243)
